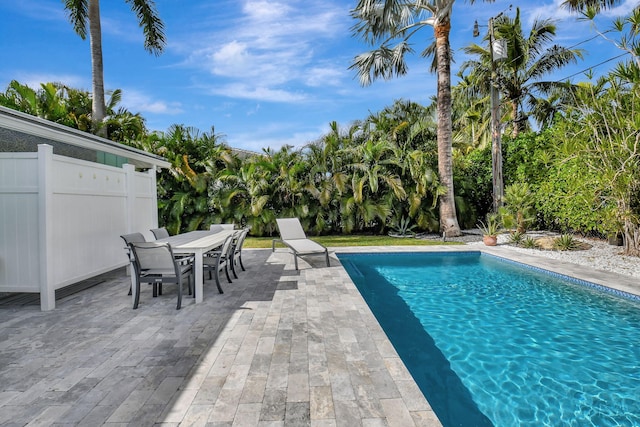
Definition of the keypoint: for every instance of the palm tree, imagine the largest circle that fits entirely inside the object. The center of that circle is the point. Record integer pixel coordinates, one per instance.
(385, 22)
(594, 4)
(83, 12)
(519, 75)
(55, 102)
(327, 180)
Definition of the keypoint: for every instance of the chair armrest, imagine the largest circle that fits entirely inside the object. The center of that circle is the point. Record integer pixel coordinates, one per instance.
(185, 259)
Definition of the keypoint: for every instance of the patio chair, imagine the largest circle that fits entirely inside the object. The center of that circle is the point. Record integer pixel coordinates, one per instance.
(156, 264)
(129, 238)
(220, 227)
(216, 260)
(237, 251)
(160, 233)
(292, 235)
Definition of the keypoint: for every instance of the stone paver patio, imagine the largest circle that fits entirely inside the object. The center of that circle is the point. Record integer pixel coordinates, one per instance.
(278, 348)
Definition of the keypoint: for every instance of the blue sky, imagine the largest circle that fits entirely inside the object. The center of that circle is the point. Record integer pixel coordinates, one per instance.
(264, 73)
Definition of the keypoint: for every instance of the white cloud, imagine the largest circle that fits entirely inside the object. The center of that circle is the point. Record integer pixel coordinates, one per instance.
(41, 11)
(272, 50)
(264, 10)
(33, 80)
(324, 76)
(138, 102)
(256, 141)
(244, 91)
(553, 10)
(624, 9)
(558, 12)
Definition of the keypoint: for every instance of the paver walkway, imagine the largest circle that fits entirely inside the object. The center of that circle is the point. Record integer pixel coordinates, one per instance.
(278, 348)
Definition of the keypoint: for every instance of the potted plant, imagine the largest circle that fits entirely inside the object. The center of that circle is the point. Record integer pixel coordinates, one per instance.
(490, 230)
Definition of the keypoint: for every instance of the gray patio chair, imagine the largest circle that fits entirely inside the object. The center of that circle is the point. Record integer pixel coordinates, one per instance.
(216, 260)
(220, 227)
(129, 238)
(160, 233)
(155, 264)
(292, 235)
(237, 251)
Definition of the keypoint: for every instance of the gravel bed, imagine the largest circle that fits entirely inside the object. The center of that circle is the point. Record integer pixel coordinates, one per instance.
(601, 255)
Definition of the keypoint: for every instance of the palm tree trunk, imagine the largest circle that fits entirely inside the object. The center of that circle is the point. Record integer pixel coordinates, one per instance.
(448, 219)
(515, 131)
(97, 74)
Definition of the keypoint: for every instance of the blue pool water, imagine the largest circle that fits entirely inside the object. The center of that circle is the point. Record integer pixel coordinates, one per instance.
(491, 342)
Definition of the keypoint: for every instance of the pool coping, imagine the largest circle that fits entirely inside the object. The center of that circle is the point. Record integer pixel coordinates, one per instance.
(627, 286)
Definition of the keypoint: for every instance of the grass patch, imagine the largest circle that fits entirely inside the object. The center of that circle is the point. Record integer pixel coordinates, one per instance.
(350, 240)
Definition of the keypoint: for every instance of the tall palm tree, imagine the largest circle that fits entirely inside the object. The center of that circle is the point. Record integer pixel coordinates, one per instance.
(396, 21)
(87, 12)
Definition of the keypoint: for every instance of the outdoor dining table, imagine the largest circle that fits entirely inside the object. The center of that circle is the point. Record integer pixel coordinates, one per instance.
(197, 243)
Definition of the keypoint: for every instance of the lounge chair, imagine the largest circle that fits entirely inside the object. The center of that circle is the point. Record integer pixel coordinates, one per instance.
(292, 235)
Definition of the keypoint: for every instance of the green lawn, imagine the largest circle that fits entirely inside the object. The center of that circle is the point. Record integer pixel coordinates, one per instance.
(350, 240)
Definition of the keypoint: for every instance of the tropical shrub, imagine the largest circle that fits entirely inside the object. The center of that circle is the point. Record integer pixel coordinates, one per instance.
(518, 209)
(600, 140)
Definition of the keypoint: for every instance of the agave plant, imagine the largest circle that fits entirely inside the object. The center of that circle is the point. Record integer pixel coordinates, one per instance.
(565, 242)
(491, 227)
(516, 238)
(402, 227)
(530, 243)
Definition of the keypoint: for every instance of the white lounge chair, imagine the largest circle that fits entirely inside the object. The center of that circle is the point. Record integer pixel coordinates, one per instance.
(292, 235)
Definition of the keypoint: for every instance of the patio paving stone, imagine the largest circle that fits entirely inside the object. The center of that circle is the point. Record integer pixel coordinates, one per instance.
(278, 348)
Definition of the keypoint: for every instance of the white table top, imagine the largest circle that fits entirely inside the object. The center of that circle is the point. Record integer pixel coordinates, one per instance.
(197, 240)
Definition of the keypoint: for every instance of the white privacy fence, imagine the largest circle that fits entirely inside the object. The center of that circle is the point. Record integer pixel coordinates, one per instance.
(61, 218)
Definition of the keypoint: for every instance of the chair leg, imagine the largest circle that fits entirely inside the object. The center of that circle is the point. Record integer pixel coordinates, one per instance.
(240, 259)
(233, 267)
(217, 274)
(179, 293)
(326, 254)
(226, 271)
(137, 298)
(295, 260)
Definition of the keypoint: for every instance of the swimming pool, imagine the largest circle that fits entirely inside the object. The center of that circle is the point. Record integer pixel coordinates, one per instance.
(491, 342)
